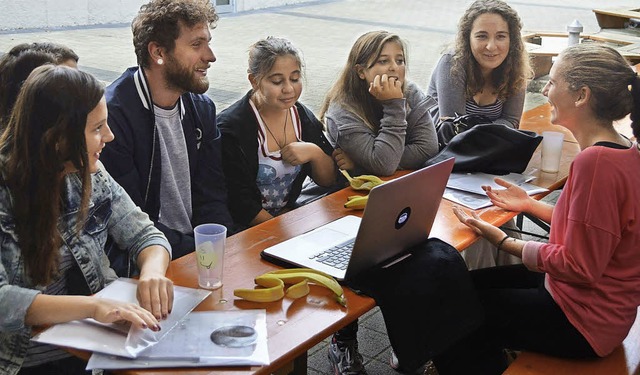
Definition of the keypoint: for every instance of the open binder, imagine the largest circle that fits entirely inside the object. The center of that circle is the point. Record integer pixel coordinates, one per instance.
(179, 343)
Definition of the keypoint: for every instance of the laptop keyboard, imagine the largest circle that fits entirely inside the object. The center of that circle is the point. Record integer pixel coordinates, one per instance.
(337, 256)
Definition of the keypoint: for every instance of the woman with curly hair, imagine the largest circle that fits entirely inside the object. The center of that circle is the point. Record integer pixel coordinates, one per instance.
(486, 72)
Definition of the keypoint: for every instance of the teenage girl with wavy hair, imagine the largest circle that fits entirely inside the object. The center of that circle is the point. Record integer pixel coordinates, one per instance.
(375, 117)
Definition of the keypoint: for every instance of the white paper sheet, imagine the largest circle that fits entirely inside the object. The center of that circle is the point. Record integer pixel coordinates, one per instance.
(190, 343)
(464, 198)
(116, 339)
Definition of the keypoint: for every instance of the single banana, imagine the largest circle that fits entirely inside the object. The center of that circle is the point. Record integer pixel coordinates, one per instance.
(298, 290)
(268, 281)
(366, 185)
(369, 178)
(272, 294)
(366, 182)
(356, 202)
(362, 182)
(297, 270)
(273, 285)
(316, 278)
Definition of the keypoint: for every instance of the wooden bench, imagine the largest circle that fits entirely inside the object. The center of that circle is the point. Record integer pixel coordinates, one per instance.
(628, 44)
(615, 18)
(614, 32)
(625, 360)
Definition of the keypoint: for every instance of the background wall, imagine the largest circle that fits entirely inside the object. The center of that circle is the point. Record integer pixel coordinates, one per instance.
(43, 14)
(242, 5)
(58, 13)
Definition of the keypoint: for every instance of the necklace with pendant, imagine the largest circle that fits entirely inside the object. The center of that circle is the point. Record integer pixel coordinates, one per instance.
(284, 130)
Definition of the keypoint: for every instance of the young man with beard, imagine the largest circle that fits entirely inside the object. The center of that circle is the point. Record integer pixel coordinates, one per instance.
(166, 152)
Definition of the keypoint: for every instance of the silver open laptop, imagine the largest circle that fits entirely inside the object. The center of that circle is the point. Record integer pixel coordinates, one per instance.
(398, 215)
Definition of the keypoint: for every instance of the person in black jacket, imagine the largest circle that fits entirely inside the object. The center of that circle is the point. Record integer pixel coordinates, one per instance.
(270, 141)
(166, 152)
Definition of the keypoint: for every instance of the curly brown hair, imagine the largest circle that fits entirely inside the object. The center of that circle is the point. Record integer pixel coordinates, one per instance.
(160, 20)
(514, 71)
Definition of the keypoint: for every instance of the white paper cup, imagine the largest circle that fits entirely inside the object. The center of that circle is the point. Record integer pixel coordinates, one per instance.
(210, 240)
(551, 151)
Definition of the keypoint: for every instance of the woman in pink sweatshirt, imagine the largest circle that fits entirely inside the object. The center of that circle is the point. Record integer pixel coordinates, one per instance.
(576, 296)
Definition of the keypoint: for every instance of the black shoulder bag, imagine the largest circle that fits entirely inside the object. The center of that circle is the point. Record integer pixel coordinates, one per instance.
(451, 127)
(490, 148)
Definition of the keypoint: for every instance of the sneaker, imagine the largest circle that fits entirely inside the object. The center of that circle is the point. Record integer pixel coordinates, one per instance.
(430, 369)
(427, 369)
(393, 362)
(345, 358)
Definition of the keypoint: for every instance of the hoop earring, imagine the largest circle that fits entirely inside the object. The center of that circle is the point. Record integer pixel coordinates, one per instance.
(160, 61)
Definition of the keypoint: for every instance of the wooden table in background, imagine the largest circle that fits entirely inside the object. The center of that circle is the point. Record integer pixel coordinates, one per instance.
(296, 326)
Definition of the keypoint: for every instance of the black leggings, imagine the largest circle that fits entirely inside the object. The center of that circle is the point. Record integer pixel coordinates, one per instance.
(520, 314)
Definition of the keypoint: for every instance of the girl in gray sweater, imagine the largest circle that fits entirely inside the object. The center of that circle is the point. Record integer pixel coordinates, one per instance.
(377, 121)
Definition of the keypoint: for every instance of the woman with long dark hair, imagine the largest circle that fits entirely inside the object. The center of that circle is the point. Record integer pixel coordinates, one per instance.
(57, 207)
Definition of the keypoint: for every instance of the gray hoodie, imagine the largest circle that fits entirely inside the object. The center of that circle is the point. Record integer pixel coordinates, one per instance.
(406, 139)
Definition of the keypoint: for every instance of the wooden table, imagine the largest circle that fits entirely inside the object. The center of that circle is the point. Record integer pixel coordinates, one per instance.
(295, 327)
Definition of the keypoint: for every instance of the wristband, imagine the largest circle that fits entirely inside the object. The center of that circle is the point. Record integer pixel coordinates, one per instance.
(502, 241)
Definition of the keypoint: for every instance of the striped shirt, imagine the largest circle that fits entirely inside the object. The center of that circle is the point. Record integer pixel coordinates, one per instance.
(492, 111)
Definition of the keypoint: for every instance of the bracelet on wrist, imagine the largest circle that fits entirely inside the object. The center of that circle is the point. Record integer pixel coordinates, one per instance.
(502, 241)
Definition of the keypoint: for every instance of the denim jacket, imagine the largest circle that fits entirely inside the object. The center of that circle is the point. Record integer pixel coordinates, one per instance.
(111, 212)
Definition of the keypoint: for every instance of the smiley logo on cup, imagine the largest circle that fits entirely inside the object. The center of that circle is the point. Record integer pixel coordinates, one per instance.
(206, 255)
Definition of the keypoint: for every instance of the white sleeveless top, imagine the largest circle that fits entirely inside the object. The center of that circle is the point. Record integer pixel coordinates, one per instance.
(275, 177)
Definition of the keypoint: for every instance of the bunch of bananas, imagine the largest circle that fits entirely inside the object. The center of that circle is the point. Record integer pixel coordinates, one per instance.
(273, 285)
(356, 202)
(363, 182)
